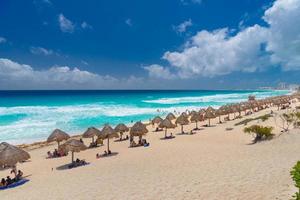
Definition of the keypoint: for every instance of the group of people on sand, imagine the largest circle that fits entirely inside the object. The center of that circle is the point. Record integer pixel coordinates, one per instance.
(142, 142)
(106, 153)
(56, 153)
(77, 163)
(8, 181)
(95, 143)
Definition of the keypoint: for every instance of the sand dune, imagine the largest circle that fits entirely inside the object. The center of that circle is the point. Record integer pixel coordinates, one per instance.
(212, 164)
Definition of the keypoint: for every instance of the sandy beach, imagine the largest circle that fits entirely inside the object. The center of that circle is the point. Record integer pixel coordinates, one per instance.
(212, 164)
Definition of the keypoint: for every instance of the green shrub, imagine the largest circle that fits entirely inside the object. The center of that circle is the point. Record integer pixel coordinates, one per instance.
(263, 118)
(295, 173)
(260, 132)
(297, 120)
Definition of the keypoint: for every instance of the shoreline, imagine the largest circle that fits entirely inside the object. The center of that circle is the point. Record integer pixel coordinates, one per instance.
(42, 143)
(210, 164)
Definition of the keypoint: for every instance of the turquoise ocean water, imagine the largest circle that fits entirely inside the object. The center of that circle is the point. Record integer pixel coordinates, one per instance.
(28, 116)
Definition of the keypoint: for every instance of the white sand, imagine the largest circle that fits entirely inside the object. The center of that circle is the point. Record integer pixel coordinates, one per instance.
(212, 164)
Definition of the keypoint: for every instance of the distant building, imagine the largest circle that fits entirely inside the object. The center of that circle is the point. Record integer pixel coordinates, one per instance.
(293, 87)
(282, 86)
(265, 88)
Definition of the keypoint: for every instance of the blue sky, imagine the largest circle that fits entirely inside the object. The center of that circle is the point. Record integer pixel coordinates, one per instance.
(170, 44)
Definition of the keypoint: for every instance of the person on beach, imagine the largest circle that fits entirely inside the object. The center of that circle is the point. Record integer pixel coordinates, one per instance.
(132, 143)
(3, 182)
(55, 153)
(14, 171)
(50, 155)
(8, 180)
(19, 175)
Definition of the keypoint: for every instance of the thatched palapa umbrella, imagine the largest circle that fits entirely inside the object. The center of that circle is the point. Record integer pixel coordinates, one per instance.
(193, 112)
(209, 114)
(182, 120)
(202, 112)
(170, 116)
(58, 136)
(233, 109)
(157, 120)
(196, 117)
(185, 114)
(121, 128)
(74, 145)
(166, 123)
(138, 129)
(219, 112)
(109, 133)
(10, 155)
(91, 133)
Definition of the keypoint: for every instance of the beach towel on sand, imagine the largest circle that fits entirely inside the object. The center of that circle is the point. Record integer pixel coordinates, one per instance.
(15, 184)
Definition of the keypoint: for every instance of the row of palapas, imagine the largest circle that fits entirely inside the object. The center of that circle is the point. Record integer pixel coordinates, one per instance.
(10, 155)
(139, 129)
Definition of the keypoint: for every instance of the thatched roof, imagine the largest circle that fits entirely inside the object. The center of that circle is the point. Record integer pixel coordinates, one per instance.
(121, 128)
(210, 113)
(109, 132)
(166, 123)
(91, 132)
(220, 111)
(10, 155)
(170, 116)
(185, 114)
(193, 112)
(196, 117)
(182, 120)
(157, 120)
(202, 111)
(58, 136)
(138, 129)
(210, 109)
(74, 145)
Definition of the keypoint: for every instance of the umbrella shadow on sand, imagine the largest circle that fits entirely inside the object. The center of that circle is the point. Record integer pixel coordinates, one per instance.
(124, 139)
(63, 167)
(198, 129)
(207, 126)
(108, 155)
(186, 133)
(67, 166)
(168, 138)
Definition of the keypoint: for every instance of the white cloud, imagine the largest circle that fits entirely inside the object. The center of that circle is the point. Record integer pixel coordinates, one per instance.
(2, 40)
(181, 28)
(42, 51)
(20, 76)
(85, 25)
(159, 72)
(216, 53)
(65, 24)
(254, 48)
(284, 41)
(128, 22)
